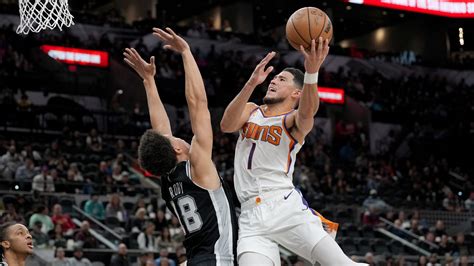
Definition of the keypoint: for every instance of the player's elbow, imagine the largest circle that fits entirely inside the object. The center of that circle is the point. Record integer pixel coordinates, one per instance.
(225, 127)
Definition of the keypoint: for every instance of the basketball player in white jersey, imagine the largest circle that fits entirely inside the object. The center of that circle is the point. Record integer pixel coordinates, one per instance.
(270, 137)
(16, 244)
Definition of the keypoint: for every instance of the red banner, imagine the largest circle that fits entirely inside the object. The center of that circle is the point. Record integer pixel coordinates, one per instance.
(74, 56)
(447, 8)
(331, 95)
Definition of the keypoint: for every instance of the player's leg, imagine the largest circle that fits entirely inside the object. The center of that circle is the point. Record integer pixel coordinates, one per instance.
(257, 250)
(252, 258)
(327, 252)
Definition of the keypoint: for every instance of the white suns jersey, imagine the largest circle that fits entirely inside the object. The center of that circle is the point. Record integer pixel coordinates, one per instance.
(264, 156)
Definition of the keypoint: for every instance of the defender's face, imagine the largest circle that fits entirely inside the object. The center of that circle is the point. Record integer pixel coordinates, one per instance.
(280, 88)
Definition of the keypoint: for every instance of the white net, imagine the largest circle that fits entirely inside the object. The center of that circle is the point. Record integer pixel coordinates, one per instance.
(38, 15)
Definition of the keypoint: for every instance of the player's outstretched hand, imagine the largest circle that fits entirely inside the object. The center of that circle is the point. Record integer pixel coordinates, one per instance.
(143, 68)
(260, 73)
(172, 40)
(314, 58)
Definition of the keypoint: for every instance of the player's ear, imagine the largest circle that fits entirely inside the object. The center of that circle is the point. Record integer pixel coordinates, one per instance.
(177, 150)
(5, 244)
(296, 93)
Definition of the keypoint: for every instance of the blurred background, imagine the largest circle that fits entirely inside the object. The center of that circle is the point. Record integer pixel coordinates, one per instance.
(390, 157)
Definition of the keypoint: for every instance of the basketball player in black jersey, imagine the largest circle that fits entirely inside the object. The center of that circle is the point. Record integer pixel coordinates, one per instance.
(191, 186)
(16, 244)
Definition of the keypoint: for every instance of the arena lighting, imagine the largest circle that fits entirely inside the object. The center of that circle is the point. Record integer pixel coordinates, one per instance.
(446, 8)
(74, 56)
(331, 95)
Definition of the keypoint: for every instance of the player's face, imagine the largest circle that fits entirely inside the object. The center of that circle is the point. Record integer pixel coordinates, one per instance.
(280, 88)
(20, 239)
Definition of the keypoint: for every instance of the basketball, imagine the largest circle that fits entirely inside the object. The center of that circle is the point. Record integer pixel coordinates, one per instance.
(305, 24)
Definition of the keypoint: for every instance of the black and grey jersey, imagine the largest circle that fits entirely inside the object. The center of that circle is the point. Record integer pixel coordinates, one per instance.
(207, 217)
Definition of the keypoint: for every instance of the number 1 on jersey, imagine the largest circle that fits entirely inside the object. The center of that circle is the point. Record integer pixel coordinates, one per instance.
(252, 150)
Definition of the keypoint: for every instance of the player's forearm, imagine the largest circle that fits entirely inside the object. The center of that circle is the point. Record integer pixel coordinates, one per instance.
(194, 85)
(309, 101)
(158, 117)
(231, 118)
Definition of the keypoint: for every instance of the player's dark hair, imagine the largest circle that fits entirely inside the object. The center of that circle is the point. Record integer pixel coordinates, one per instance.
(156, 154)
(298, 76)
(3, 236)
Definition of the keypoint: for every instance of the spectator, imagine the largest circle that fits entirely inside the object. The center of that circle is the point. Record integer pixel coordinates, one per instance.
(138, 222)
(41, 215)
(95, 208)
(53, 153)
(117, 172)
(146, 240)
(94, 141)
(127, 188)
(163, 259)
(40, 239)
(104, 170)
(160, 221)
(176, 232)
(460, 248)
(464, 261)
(121, 258)
(115, 209)
(375, 203)
(58, 237)
(78, 259)
(84, 236)
(60, 258)
(26, 172)
(422, 261)
(63, 220)
(451, 202)
(181, 255)
(43, 182)
(369, 259)
(9, 162)
(143, 258)
(28, 152)
(75, 173)
(469, 203)
(165, 241)
(439, 228)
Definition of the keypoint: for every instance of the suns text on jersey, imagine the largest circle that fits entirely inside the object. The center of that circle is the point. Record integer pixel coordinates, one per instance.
(270, 134)
(176, 189)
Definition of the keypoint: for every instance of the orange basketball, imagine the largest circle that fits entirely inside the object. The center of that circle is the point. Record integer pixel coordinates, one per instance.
(305, 24)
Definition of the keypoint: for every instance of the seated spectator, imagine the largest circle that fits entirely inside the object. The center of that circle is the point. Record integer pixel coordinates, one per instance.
(440, 229)
(369, 259)
(422, 261)
(28, 152)
(94, 141)
(164, 241)
(117, 173)
(126, 187)
(451, 202)
(40, 239)
(64, 220)
(75, 173)
(58, 237)
(460, 248)
(160, 221)
(95, 208)
(43, 182)
(163, 259)
(469, 203)
(120, 160)
(11, 215)
(27, 171)
(138, 221)
(144, 258)
(104, 170)
(146, 240)
(84, 236)
(78, 258)
(445, 247)
(121, 258)
(10, 162)
(53, 153)
(60, 258)
(176, 232)
(115, 209)
(376, 204)
(41, 215)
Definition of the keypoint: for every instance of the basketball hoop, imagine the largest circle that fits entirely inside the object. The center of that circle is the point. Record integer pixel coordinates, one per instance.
(38, 15)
